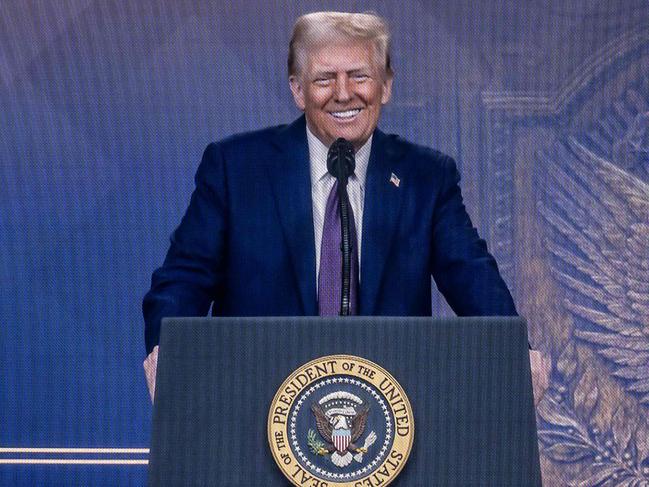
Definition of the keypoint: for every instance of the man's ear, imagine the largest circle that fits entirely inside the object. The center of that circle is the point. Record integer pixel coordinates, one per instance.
(297, 90)
(387, 89)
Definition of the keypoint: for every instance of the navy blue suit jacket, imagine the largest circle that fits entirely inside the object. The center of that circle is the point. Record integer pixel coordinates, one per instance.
(246, 243)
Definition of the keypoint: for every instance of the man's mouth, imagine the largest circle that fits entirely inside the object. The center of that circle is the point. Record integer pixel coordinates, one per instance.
(346, 115)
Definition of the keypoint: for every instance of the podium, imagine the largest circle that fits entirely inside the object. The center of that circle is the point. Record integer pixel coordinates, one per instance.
(467, 380)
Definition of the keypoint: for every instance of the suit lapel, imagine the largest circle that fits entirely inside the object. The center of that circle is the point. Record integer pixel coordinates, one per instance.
(380, 216)
(290, 179)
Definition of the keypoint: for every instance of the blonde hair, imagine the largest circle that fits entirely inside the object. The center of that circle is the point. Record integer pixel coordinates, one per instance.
(319, 28)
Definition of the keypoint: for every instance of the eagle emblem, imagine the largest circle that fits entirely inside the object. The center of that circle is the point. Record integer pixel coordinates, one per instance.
(341, 418)
(332, 422)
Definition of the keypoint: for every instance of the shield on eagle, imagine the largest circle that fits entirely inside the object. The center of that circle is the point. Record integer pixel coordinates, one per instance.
(341, 439)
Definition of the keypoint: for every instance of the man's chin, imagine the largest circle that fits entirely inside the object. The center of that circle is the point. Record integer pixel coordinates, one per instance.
(353, 136)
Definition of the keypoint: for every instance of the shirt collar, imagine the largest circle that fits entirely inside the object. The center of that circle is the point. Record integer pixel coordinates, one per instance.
(318, 158)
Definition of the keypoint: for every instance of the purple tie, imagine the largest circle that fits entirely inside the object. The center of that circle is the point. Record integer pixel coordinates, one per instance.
(331, 260)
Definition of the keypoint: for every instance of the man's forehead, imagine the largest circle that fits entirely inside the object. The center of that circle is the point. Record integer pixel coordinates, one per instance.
(348, 56)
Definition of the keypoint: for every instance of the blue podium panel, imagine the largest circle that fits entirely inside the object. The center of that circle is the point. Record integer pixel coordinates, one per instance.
(467, 379)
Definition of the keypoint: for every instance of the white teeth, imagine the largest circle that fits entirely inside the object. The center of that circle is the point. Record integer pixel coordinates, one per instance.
(346, 114)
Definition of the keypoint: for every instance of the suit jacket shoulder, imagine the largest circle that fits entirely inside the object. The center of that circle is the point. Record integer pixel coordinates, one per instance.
(420, 161)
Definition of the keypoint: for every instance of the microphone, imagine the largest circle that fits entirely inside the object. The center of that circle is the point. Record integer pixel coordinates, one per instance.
(341, 163)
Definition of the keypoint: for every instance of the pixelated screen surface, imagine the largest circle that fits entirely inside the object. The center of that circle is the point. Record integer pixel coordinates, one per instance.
(106, 108)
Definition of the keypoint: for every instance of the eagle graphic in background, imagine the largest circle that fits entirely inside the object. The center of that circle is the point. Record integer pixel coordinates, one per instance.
(598, 216)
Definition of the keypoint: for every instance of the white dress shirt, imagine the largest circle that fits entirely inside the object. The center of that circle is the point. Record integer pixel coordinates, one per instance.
(321, 184)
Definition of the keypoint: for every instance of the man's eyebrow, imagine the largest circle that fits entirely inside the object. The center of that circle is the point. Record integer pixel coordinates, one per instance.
(326, 74)
(358, 70)
(354, 70)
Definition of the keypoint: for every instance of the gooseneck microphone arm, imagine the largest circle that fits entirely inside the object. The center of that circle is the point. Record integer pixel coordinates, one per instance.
(341, 164)
(346, 248)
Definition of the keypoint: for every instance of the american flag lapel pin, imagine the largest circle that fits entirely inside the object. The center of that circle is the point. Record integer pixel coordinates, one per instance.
(395, 180)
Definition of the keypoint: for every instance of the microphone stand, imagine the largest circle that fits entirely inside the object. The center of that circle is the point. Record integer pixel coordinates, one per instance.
(341, 164)
(345, 247)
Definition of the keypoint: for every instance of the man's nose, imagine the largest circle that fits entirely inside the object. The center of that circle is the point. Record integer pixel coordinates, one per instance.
(342, 91)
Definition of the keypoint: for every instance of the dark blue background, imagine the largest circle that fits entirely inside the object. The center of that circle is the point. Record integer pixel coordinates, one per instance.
(106, 107)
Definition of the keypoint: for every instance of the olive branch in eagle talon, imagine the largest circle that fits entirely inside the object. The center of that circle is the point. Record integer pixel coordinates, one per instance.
(315, 445)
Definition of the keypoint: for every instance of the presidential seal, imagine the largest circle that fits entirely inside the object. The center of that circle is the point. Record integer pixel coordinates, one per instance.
(340, 420)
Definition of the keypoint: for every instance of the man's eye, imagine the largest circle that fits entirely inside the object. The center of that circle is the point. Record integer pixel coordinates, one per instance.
(322, 81)
(359, 78)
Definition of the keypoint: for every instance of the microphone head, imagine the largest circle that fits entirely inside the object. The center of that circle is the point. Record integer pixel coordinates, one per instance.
(340, 159)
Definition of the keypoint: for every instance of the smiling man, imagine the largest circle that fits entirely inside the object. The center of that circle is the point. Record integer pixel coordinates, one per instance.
(340, 75)
(259, 237)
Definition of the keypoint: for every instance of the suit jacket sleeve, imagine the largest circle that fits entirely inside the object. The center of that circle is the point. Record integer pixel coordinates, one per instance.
(193, 268)
(465, 273)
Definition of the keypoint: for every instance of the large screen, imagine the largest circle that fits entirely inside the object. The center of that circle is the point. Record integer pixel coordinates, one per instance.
(107, 106)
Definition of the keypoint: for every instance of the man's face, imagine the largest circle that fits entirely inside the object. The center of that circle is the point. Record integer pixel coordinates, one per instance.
(341, 90)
